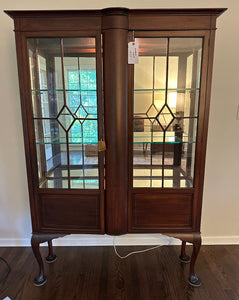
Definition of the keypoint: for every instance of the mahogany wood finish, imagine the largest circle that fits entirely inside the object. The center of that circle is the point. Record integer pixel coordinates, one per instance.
(183, 256)
(157, 211)
(117, 207)
(193, 278)
(36, 240)
(84, 213)
(51, 257)
(115, 37)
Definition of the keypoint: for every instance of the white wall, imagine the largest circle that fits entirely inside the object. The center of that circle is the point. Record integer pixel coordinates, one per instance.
(220, 218)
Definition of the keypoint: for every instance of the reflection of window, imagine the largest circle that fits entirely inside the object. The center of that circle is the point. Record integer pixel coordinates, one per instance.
(81, 96)
(83, 103)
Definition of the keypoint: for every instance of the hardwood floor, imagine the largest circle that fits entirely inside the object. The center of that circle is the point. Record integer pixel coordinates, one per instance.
(96, 273)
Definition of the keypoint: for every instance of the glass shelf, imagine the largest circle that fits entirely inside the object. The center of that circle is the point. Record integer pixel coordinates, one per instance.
(94, 90)
(166, 142)
(64, 143)
(72, 141)
(138, 140)
(62, 90)
(163, 90)
(157, 138)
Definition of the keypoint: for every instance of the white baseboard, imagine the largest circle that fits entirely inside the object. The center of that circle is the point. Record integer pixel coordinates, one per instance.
(15, 242)
(220, 240)
(128, 239)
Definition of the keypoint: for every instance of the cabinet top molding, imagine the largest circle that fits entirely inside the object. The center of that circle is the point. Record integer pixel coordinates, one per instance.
(60, 22)
(115, 11)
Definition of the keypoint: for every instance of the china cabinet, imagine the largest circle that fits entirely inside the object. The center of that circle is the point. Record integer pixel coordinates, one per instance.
(114, 146)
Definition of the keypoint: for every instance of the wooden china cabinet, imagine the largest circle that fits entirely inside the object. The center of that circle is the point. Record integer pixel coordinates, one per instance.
(111, 146)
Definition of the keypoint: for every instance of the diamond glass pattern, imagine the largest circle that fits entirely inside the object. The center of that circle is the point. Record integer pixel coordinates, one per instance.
(165, 117)
(81, 113)
(65, 118)
(152, 111)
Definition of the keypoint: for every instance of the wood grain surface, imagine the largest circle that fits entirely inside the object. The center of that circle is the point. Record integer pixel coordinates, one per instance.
(96, 273)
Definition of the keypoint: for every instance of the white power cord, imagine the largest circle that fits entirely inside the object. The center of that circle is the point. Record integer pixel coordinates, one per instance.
(134, 252)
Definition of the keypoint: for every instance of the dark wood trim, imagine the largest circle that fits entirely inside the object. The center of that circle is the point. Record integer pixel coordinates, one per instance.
(199, 162)
(172, 33)
(206, 105)
(155, 191)
(139, 19)
(100, 110)
(130, 135)
(54, 191)
(24, 86)
(58, 23)
(116, 122)
(61, 34)
(180, 11)
(53, 230)
(114, 10)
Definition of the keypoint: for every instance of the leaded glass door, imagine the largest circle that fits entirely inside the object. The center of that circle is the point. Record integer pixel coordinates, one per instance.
(164, 120)
(67, 116)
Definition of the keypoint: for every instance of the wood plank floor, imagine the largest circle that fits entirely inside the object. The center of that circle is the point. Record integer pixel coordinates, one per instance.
(96, 273)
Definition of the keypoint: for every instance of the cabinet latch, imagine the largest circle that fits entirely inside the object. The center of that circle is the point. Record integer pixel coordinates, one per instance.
(101, 146)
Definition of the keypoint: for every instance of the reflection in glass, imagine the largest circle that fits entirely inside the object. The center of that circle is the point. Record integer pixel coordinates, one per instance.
(64, 101)
(166, 99)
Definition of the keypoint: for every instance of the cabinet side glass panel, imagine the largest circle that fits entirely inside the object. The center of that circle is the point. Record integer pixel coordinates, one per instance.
(64, 102)
(166, 99)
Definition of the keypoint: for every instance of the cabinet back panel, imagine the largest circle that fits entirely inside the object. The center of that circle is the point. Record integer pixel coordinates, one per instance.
(81, 212)
(162, 210)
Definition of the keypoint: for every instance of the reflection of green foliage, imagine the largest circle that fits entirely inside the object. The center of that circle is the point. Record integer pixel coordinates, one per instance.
(86, 80)
(84, 88)
(90, 131)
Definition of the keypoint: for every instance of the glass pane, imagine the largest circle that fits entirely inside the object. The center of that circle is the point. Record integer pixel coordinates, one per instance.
(183, 101)
(64, 99)
(149, 100)
(166, 111)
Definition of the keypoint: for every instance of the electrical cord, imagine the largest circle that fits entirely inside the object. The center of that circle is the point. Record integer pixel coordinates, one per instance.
(134, 252)
(8, 270)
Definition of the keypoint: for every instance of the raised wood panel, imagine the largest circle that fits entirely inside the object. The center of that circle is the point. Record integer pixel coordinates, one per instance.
(162, 210)
(79, 212)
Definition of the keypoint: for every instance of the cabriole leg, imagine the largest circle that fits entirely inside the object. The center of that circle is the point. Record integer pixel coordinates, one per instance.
(184, 258)
(51, 256)
(37, 239)
(195, 239)
(41, 278)
(193, 279)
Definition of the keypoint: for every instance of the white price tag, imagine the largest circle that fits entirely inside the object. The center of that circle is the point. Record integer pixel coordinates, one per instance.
(133, 53)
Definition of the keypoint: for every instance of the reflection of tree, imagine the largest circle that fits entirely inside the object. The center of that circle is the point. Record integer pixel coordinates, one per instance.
(82, 90)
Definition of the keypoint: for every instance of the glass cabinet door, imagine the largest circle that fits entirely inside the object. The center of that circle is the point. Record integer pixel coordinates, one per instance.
(165, 111)
(66, 107)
